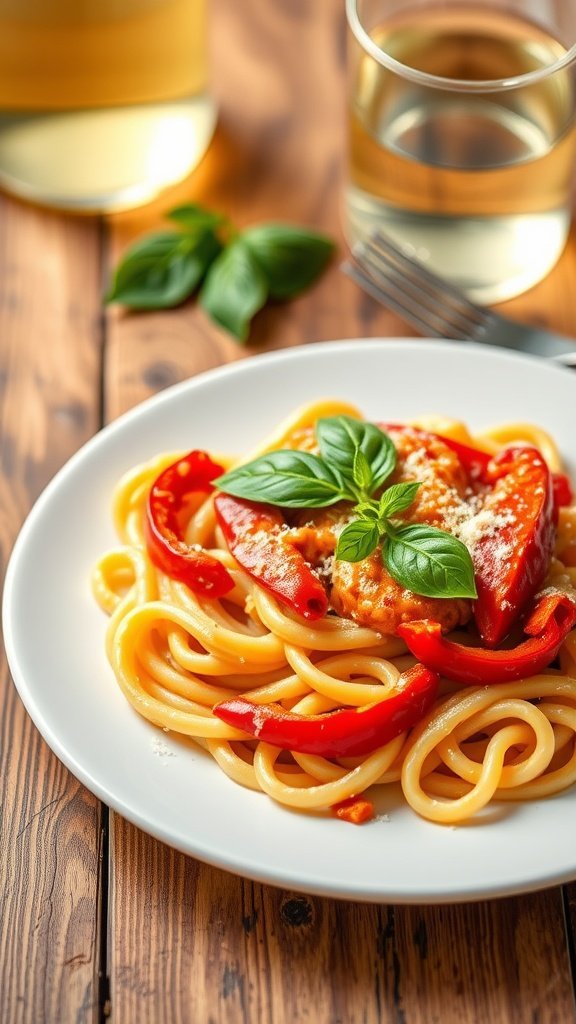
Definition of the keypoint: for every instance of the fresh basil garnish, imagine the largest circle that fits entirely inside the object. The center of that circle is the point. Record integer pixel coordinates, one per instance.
(340, 437)
(397, 498)
(429, 561)
(357, 541)
(355, 459)
(291, 479)
(242, 270)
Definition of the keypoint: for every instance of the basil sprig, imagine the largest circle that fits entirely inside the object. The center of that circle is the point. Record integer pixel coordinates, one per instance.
(355, 460)
(235, 272)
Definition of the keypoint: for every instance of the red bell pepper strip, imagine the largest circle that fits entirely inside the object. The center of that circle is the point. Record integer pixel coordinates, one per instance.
(562, 490)
(169, 495)
(255, 535)
(553, 617)
(476, 462)
(473, 460)
(512, 556)
(350, 732)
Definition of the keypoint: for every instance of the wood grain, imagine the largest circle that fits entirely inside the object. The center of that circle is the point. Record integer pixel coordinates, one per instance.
(49, 831)
(195, 944)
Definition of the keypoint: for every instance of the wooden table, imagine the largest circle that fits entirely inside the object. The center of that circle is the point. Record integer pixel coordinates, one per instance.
(97, 918)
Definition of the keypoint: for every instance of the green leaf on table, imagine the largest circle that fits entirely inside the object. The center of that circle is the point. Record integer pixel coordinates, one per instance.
(235, 289)
(193, 217)
(290, 257)
(162, 270)
(291, 479)
(241, 270)
(429, 561)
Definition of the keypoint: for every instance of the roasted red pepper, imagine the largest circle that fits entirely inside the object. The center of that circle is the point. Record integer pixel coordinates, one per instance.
(473, 460)
(511, 563)
(351, 732)
(169, 495)
(512, 553)
(514, 540)
(562, 490)
(476, 462)
(553, 617)
(255, 534)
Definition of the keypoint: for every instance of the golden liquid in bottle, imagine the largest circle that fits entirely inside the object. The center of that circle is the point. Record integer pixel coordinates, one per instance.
(102, 104)
(476, 183)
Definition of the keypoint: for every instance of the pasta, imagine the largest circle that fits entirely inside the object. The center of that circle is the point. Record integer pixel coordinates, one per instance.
(177, 654)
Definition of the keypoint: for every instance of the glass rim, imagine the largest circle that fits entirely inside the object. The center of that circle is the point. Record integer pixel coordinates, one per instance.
(454, 84)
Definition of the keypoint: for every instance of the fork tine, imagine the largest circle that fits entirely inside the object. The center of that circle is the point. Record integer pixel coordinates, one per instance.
(411, 301)
(382, 246)
(392, 270)
(431, 310)
(454, 317)
(357, 273)
(436, 308)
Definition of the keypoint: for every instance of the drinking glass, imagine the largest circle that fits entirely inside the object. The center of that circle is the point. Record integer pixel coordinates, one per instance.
(103, 103)
(462, 135)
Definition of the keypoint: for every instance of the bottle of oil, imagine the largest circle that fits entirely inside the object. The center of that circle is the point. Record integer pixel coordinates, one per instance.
(103, 103)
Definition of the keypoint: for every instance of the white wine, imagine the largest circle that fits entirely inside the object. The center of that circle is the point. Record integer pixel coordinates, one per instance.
(475, 181)
(102, 104)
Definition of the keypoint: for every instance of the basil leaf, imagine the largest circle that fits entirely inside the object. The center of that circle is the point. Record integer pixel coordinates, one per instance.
(290, 257)
(162, 270)
(368, 510)
(357, 540)
(340, 437)
(361, 471)
(397, 498)
(194, 217)
(429, 562)
(235, 289)
(291, 479)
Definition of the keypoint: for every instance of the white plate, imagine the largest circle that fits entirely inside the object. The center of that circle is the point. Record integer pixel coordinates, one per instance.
(55, 633)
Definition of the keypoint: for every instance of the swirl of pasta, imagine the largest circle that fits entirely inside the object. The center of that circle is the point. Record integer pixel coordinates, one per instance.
(505, 715)
(175, 655)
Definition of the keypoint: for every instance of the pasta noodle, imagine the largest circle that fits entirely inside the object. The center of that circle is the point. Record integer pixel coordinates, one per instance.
(176, 654)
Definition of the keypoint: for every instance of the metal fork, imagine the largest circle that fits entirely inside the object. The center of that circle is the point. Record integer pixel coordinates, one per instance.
(435, 307)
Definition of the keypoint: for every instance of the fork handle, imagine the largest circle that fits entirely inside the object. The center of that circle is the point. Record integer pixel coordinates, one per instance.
(532, 340)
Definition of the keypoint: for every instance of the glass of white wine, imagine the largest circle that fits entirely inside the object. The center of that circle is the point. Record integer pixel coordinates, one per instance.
(103, 103)
(462, 135)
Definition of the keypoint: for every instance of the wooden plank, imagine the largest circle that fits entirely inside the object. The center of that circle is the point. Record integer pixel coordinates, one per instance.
(189, 942)
(50, 828)
(193, 943)
(570, 910)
